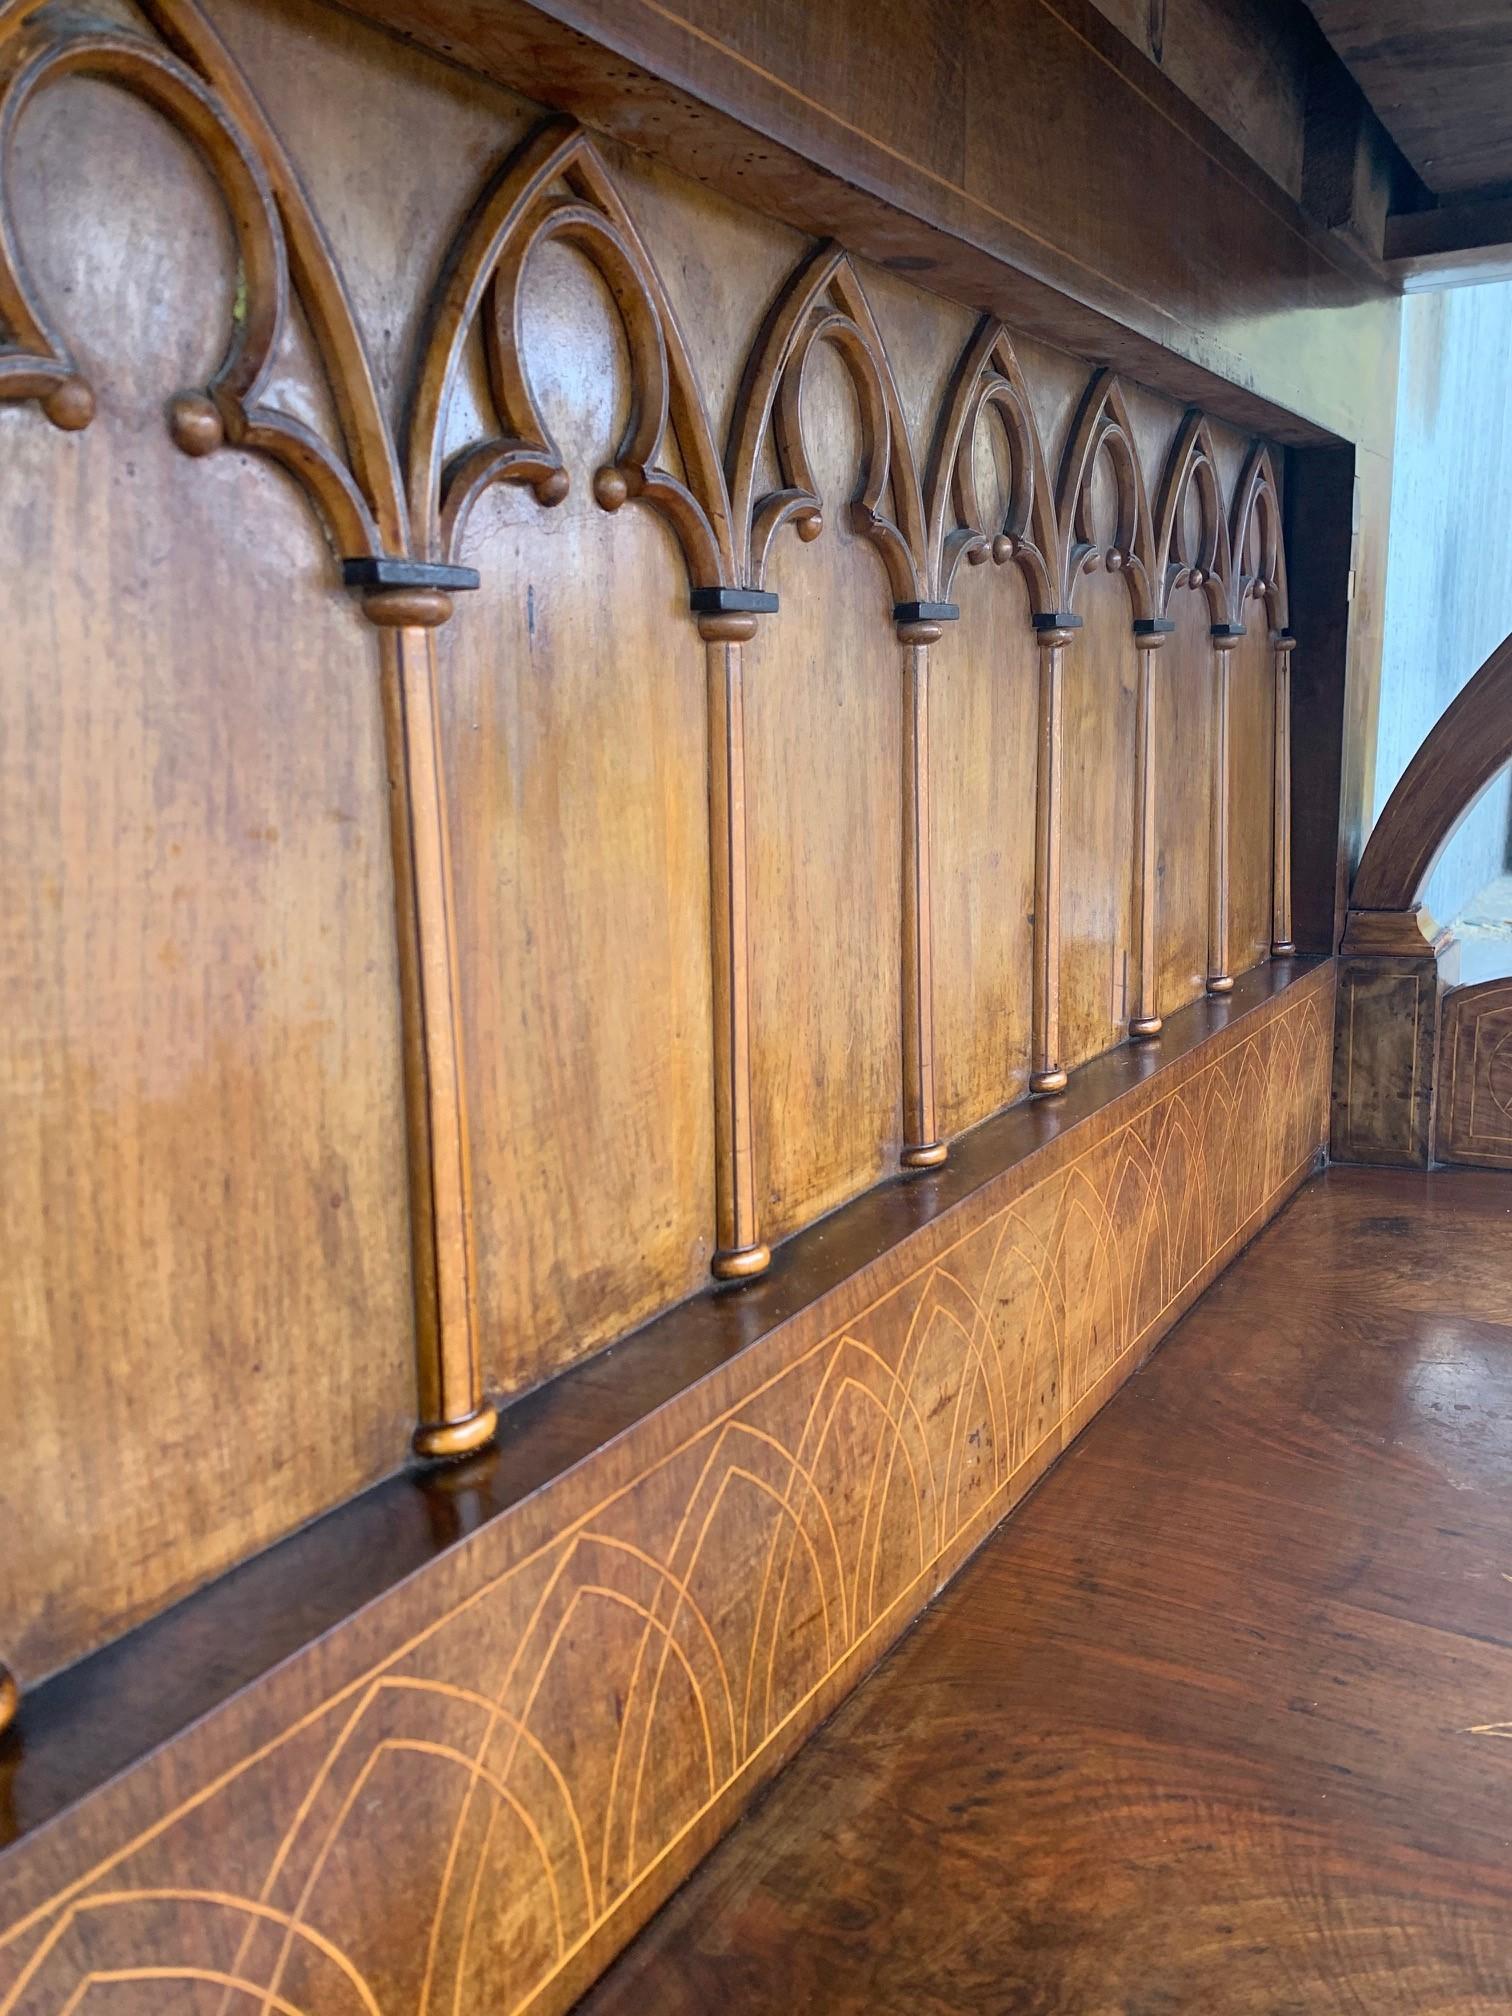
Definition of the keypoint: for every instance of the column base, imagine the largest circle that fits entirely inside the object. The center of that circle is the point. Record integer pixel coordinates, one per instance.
(740, 1263)
(1220, 983)
(1043, 1083)
(1284, 948)
(445, 1441)
(10, 1698)
(928, 1157)
(1145, 1026)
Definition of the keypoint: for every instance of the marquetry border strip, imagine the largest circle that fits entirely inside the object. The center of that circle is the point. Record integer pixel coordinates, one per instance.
(470, 1794)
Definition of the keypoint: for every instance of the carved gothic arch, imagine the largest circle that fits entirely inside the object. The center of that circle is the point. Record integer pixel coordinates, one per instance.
(989, 381)
(1192, 469)
(1102, 428)
(1257, 523)
(556, 187)
(824, 302)
(190, 80)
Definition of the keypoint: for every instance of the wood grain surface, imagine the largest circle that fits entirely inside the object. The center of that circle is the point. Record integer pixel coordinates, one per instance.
(1219, 1720)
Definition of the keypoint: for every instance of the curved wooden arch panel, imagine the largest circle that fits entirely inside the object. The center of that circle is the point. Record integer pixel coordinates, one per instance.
(1470, 742)
(573, 730)
(199, 981)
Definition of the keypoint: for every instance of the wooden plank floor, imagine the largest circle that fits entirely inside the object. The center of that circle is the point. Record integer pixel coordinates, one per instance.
(1221, 1720)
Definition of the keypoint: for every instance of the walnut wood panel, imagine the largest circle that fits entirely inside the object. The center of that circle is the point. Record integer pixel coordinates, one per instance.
(573, 732)
(824, 713)
(664, 936)
(1219, 1720)
(1475, 1075)
(982, 736)
(475, 1789)
(203, 1213)
(1183, 675)
(1252, 743)
(1097, 874)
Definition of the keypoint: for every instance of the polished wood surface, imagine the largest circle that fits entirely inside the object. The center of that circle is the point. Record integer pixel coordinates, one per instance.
(1218, 1720)
(1437, 78)
(613, 846)
(479, 1782)
(1475, 1075)
(203, 1215)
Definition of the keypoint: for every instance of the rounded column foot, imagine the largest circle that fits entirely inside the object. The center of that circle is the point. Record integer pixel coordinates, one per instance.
(10, 1698)
(1044, 1083)
(445, 1441)
(930, 1156)
(1145, 1026)
(741, 1263)
(1221, 983)
(1284, 948)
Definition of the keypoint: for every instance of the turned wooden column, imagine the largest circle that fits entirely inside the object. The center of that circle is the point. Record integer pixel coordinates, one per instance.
(726, 623)
(1220, 980)
(1144, 1018)
(408, 601)
(919, 625)
(1046, 1073)
(1282, 942)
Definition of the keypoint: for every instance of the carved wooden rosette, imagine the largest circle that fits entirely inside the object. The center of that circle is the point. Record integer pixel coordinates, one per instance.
(1199, 558)
(1102, 429)
(557, 189)
(989, 389)
(824, 303)
(1259, 563)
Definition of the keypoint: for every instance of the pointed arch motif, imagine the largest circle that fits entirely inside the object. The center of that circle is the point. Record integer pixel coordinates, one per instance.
(1102, 428)
(1192, 467)
(989, 381)
(824, 302)
(196, 87)
(557, 188)
(1257, 523)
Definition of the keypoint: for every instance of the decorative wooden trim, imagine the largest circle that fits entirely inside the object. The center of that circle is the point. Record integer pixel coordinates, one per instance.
(922, 1146)
(1475, 1076)
(230, 409)
(533, 1737)
(1192, 465)
(1047, 1075)
(1257, 543)
(989, 383)
(1102, 428)
(733, 602)
(824, 302)
(1283, 945)
(10, 1697)
(365, 572)
(1467, 745)
(740, 1253)
(1225, 637)
(1149, 635)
